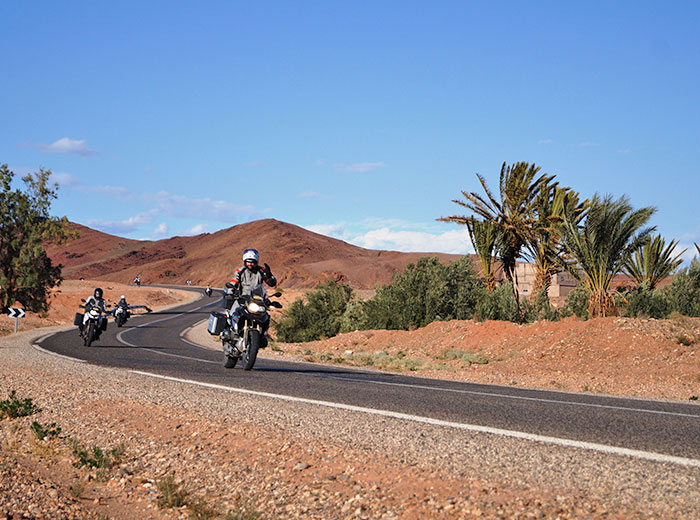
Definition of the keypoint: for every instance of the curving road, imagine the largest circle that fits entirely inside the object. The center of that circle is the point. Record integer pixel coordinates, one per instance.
(153, 343)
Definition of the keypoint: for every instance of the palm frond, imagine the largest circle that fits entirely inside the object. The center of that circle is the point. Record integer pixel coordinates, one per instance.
(600, 247)
(653, 261)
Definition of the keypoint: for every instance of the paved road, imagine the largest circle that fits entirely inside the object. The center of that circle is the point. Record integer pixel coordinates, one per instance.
(153, 343)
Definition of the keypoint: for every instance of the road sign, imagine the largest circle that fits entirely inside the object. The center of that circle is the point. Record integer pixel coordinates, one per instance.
(15, 313)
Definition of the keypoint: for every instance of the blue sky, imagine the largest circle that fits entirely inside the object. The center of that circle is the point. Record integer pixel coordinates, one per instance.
(360, 120)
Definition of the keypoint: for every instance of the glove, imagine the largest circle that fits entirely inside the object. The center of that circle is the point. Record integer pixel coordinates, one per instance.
(267, 272)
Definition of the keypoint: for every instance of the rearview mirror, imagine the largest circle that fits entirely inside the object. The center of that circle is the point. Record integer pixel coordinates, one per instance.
(277, 294)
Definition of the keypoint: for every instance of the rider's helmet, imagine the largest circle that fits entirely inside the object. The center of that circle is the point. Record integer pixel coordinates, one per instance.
(98, 293)
(122, 297)
(251, 255)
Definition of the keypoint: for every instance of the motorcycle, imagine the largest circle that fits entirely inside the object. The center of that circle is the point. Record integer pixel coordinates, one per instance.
(208, 291)
(137, 281)
(121, 314)
(243, 331)
(93, 327)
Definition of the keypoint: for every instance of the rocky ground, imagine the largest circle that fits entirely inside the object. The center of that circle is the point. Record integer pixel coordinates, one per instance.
(247, 457)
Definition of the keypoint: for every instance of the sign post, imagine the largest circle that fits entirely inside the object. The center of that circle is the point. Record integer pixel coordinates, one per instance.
(16, 314)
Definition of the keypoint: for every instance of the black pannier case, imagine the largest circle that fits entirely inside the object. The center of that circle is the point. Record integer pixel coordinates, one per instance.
(217, 323)
(78, 319)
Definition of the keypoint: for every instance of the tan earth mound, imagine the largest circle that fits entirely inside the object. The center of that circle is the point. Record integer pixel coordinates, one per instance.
(299, 258)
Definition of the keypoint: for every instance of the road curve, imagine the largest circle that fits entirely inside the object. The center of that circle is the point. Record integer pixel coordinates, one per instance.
(153, 343)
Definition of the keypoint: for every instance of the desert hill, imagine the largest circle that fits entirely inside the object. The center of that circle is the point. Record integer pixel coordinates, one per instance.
(299, 258)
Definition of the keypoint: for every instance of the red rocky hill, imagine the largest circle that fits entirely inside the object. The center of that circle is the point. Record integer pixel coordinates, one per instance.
(299, 258)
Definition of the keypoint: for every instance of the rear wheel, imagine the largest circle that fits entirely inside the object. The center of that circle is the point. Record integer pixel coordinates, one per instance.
(251, 353)
(89, 335)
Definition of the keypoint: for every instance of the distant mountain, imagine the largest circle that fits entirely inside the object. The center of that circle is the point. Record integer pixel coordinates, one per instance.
(298, 257)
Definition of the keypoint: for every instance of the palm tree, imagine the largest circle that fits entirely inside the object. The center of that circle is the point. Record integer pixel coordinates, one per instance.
(598, 250)
(652, 262)
(485, 239)
(544, 244)
(513, 213)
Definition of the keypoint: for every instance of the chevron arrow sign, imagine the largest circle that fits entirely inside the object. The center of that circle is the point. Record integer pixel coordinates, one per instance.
(15, 313)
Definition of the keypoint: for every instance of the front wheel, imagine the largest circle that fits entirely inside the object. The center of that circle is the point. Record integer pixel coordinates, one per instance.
(90, 334)
(120, 321)
(230, 361)
(251, 353)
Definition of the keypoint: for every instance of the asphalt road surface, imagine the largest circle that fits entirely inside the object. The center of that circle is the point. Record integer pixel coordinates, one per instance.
(153, 343)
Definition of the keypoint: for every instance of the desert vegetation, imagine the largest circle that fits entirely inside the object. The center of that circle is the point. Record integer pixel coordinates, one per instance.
(530, 218)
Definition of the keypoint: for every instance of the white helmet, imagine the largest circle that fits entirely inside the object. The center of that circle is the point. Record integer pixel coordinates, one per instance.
(251, 255)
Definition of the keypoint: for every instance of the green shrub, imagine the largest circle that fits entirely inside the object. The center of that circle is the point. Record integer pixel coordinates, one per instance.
(425, 292)
(684, 292)
(576, 303)
(538, 309)
(14, 407)
(318, 317)
(498, 304)
(43, 432)
(465, 356)
(644, 302)
(97, 458)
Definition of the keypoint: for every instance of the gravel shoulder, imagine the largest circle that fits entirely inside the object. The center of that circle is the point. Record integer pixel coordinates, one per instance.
(290, 460)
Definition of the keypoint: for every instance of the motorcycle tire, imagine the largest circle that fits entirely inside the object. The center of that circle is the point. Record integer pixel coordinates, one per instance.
(90, 334)
(251, 353)
(230, 361)
(120, 321)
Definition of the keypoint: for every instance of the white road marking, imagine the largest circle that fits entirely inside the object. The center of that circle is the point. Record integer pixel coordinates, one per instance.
(506, 396)
(37, 347)
(646, 455)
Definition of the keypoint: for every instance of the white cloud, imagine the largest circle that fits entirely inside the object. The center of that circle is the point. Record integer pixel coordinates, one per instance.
(415, 241)
(332, 230)
(690, 252)
(395, 237)
(545, 141)
(186, 207)
(588, 144)
(118, 227)
(161, 230)
(197, 229)
(65, 179)
(67, 145)
(362, 167)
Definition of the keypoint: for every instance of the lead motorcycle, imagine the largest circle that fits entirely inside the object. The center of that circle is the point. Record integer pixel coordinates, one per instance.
(93, 327)
(243, 330)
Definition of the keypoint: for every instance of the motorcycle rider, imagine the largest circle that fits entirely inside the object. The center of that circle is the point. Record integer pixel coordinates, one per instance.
(244, 281)
(251, 275)
(96, 300)
(123, 305)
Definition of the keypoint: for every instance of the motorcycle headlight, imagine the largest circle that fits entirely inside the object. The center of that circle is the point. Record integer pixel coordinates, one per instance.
(256, 308)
